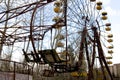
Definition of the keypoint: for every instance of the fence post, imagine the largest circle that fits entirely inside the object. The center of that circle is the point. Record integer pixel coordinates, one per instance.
(28, 71)
(14, 71)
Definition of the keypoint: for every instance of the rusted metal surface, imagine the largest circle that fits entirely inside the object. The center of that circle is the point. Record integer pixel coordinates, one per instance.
(101, 55)
(10, 39)
(24, 9)
(16, 67)
(11, 70)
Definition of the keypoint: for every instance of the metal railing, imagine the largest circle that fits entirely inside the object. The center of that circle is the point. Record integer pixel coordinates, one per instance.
(11, 67)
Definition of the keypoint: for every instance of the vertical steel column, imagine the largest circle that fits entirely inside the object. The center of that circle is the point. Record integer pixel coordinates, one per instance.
(65, 22)
(101, 53)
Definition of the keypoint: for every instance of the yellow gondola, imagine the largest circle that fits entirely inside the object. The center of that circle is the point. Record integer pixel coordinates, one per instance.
(107, 28)
(104, 17)
(56, 19)
(60, 44)
(57, 10)
(110, 47)
(110, 35)
(110, 40)
(60, 37)
(110, 51)
(92, 0)
(109, 57)
(99, 3)
(77, 74)
(104, 13)
(108, 24)
(58, 3)
(109, 62)
(99, 7)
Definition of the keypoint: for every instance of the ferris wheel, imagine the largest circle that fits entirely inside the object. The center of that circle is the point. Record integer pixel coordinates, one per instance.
(82, 25)
(71, 27)
(89, 31)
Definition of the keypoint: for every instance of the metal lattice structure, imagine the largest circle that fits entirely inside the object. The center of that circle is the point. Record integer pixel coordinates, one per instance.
(78, 30)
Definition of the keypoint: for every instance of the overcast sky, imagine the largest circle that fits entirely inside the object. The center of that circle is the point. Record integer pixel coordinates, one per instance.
(113, 9)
